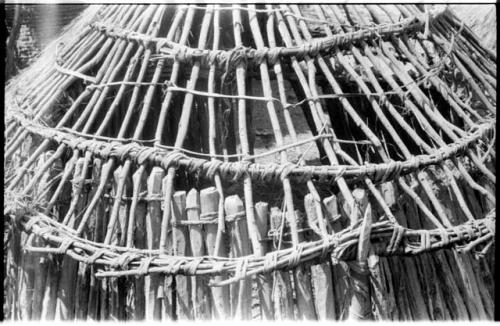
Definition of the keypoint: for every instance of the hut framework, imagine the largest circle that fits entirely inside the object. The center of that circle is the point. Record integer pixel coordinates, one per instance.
(134, 189)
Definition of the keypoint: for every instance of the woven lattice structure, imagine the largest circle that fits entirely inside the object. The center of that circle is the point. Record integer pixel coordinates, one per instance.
(136, 187)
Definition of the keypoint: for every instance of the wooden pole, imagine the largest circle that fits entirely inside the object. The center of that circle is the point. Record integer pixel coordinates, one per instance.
(382, 288)
(200, 291)
(82, 293)
(339, 269)
(181, 248)
(247, 183)
(215, 127)
(241, 292)
(209, 199)
(26, 283)
(136, 236)
(96, 227)
(40, 261)
(65, 309)
(116, 234)
(50, 296)
(264, 281)
(302, 280)
(282, 292)
(53, 262)
(167, 282)
(86, 300)
(321, 274)
(360, 308)
(153, 288)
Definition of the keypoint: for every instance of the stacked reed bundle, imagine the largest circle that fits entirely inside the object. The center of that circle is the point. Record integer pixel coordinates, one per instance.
(125, 203)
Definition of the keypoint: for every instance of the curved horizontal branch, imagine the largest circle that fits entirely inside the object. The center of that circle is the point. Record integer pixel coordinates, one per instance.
(250, 55)
(387, 239)
(270, 171)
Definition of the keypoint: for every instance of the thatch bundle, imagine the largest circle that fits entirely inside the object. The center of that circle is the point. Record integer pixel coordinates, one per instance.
(134, 189)
(31, 28)
(482, 20)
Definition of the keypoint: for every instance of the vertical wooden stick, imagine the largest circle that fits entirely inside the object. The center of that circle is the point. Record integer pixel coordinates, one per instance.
(53, 268)
(209, 200)
(82, 294)
(153, 223)
(302, 280)
(383, 289)
(104, 299)
(200, 291)
(96, 222)
(112, 237)
(181, 248)
(26, 283)
(244, 118)
(116, 233)
(360, 308)
(320, 274)
(282, 287)
(137, 221)
(50, 297)
(339, 269)
(40, 261)
(241, 292)
(167, 245)
(264, 281)
(65, 309)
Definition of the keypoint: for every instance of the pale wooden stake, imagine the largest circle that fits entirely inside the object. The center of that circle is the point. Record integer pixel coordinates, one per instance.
(97, 223)
(167, 243)
(200, 291)
(137, 237)
(118, 237)
(153, 288)
(209, 201)
(360, 308)
(241, 292)
(282, 292)
(321, 274)
(302, 280)
(181, 248)
(339, 269)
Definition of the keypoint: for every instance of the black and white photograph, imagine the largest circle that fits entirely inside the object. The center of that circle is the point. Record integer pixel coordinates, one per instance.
(234, 161)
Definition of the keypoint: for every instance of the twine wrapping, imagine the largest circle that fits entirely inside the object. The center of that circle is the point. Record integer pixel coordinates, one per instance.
(339, 245)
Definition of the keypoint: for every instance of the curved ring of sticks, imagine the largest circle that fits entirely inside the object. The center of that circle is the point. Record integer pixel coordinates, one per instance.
(381, 172)
(386, 238)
